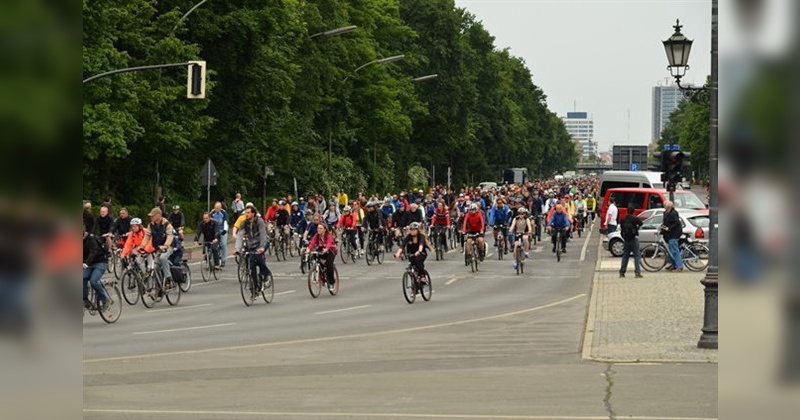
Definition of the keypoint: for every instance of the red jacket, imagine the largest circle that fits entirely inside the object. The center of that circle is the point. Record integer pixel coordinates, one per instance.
(328, 243)
(441, 218)
(473, 222)
(271, 213)
(349, 221)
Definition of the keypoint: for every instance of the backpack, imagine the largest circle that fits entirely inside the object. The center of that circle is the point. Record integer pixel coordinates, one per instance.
(628, 229)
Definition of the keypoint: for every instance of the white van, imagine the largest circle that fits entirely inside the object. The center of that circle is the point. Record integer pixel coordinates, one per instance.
(629, 179)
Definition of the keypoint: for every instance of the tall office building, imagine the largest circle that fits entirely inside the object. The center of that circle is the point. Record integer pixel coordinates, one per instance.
(665, 100)
(581, 127)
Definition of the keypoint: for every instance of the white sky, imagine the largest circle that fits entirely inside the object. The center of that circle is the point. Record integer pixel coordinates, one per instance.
(604, 55)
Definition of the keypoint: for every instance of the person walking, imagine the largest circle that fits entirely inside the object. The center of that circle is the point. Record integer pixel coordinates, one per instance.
(611, 216)
(629, 227)
(672, 230)
(237, 206)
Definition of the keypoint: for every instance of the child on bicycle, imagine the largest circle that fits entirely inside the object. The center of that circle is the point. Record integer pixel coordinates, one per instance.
(416, 246)
(323, 242)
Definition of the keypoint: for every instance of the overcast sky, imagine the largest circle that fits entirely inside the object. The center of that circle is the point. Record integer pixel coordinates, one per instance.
(604, 56)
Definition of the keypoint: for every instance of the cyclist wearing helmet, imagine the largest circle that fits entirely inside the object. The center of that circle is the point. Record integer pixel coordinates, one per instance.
(475, 224)
(349, 222)
(176, 219)
(521, 225)
(296, 216)
(416, 248)
(374, 221)
(135, 237)
(499, 216)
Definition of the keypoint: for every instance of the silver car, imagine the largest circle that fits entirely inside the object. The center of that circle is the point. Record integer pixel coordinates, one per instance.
(695, 225)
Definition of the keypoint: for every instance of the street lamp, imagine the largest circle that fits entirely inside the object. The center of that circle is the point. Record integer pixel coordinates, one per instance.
(678, 48)
(425, 78)
(335, 32)
(187, 14)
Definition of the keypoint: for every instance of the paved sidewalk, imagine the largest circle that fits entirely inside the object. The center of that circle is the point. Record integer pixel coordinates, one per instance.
(654, 319)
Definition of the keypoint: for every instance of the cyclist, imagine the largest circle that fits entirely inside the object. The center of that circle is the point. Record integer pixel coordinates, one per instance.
(134, 238)
(324, 242)
(95, 262)
(475, 224)
(177, 220)
(121, 226)
(331, 216)
(521, 226)
(439, 222)
(591, 206)
(296, 216)
(158, 236)
(282, 219)
(498, 219)
(255, 242)
(400, 221)
(416, 246)
(209, 231)
(559, 222)
(580, 211)
(103, 223)
(387, 208)
(302, 225)
(238, 225)
(349, 222)
(376, 224)
(221, 216)
(358, 212)
(430, 209)
(415, 214)
(269, 215)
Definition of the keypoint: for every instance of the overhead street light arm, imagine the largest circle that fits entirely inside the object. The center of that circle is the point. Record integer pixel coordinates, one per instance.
(187, 14)
(384, 60)
(425, 78)
(335, 32)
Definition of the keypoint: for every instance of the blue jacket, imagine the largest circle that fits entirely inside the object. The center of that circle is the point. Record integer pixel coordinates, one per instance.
(387, 210)
(296, 218)
(559, 220)
(499, 216)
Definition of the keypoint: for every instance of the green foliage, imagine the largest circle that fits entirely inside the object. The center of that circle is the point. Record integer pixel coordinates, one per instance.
(278, 98)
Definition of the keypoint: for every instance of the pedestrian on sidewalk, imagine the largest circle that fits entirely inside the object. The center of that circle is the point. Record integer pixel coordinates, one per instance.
(672, 230)
(611, 216)
(629, 228)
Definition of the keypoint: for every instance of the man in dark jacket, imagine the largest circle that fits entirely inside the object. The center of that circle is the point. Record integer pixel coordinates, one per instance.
(209, 232)
(629, 227)
(673, 229)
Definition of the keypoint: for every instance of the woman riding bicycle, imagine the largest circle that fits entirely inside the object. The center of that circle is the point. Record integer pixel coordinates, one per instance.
(416, 246)
(323, 242)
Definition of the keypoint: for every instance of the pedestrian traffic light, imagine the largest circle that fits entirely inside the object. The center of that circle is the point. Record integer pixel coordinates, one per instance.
(675, 167)
(196, 80)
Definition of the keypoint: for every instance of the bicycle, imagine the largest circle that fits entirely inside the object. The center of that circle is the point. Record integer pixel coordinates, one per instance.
(319, 276)
(115, 263)
(580, 222)
(439, 239)
(452, 236)
(154, 287)
(501, 244)
(294, 244)
(694, 255)
(111, 312)
(519, 253)
(131, 281)
(413, 283)
(374, 251)
(247, 281)
(348, 246)
(305, 263)
(281, 242)
(559, 243)
(471, 253)
(207, 267)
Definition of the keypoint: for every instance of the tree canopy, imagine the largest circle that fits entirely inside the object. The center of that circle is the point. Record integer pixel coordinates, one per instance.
(280, 98)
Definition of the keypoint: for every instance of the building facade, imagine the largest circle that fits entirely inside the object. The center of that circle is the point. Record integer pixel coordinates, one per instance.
(581, 128)
(665, 100)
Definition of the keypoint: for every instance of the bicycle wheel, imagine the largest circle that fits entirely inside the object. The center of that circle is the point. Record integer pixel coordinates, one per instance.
(345, 251)
(426, 288)
(269, 289)
(353, 254)
(409, 287)
(242, 271)
(284, 245)
(205, 267)
(370, 256)
(118, 269)
(379, 256)
(695, 257)
(303, 262)
(172, 292)
(499, 246)
(130, 288)
(314, 283)
(336, 283)
(558, 247)
(467, 258)
(215, 271)
(654, 257)
(148, 291)
(518, 256)
(185, 286)
(246, 289)
(114, 309)
(475, 258)
(293, 247)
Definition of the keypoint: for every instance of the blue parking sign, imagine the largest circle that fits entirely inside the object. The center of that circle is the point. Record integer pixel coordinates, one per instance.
(634, 166)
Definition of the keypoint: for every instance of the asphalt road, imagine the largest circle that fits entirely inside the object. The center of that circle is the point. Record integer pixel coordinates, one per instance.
(487, 345)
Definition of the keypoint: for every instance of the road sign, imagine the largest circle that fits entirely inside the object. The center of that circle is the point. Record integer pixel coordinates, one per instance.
(208, 175)
(268, 171)
(672, 147)
(634, 166)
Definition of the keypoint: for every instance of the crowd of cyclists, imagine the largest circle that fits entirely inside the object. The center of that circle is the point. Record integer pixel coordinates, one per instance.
(412, 221)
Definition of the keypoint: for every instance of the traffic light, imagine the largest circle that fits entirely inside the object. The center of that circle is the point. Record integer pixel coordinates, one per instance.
(196, 80)
(676, 162)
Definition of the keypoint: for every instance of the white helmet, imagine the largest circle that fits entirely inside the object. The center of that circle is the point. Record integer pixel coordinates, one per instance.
(136, 221)
(473, 206)
(347, 209)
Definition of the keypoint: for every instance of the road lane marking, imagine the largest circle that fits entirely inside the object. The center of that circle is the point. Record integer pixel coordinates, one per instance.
(340, 337)
(179, 308)
(285, 293)
(229, 414)
(185, 329)
(585, 245)
(342, 310)
(451, 281)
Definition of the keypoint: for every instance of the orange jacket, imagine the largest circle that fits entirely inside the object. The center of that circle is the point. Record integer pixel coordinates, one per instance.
(134, 240)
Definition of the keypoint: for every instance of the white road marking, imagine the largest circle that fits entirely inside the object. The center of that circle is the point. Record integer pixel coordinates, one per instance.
(178, 308)
(285, 293)
(230, 414)
(451, 281)
(185, 329)
(342, 310)
(586, 244)
(339, 337)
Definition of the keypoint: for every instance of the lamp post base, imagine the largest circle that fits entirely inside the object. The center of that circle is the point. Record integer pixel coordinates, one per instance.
(710, 337)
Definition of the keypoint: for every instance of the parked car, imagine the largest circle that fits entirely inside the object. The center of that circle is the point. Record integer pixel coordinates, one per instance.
(642, 199)
(695, 225)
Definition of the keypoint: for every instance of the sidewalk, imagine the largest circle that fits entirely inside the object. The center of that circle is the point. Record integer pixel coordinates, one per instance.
(654, 319)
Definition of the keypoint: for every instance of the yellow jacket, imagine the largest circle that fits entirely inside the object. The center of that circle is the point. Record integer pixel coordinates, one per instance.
(342, 199)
